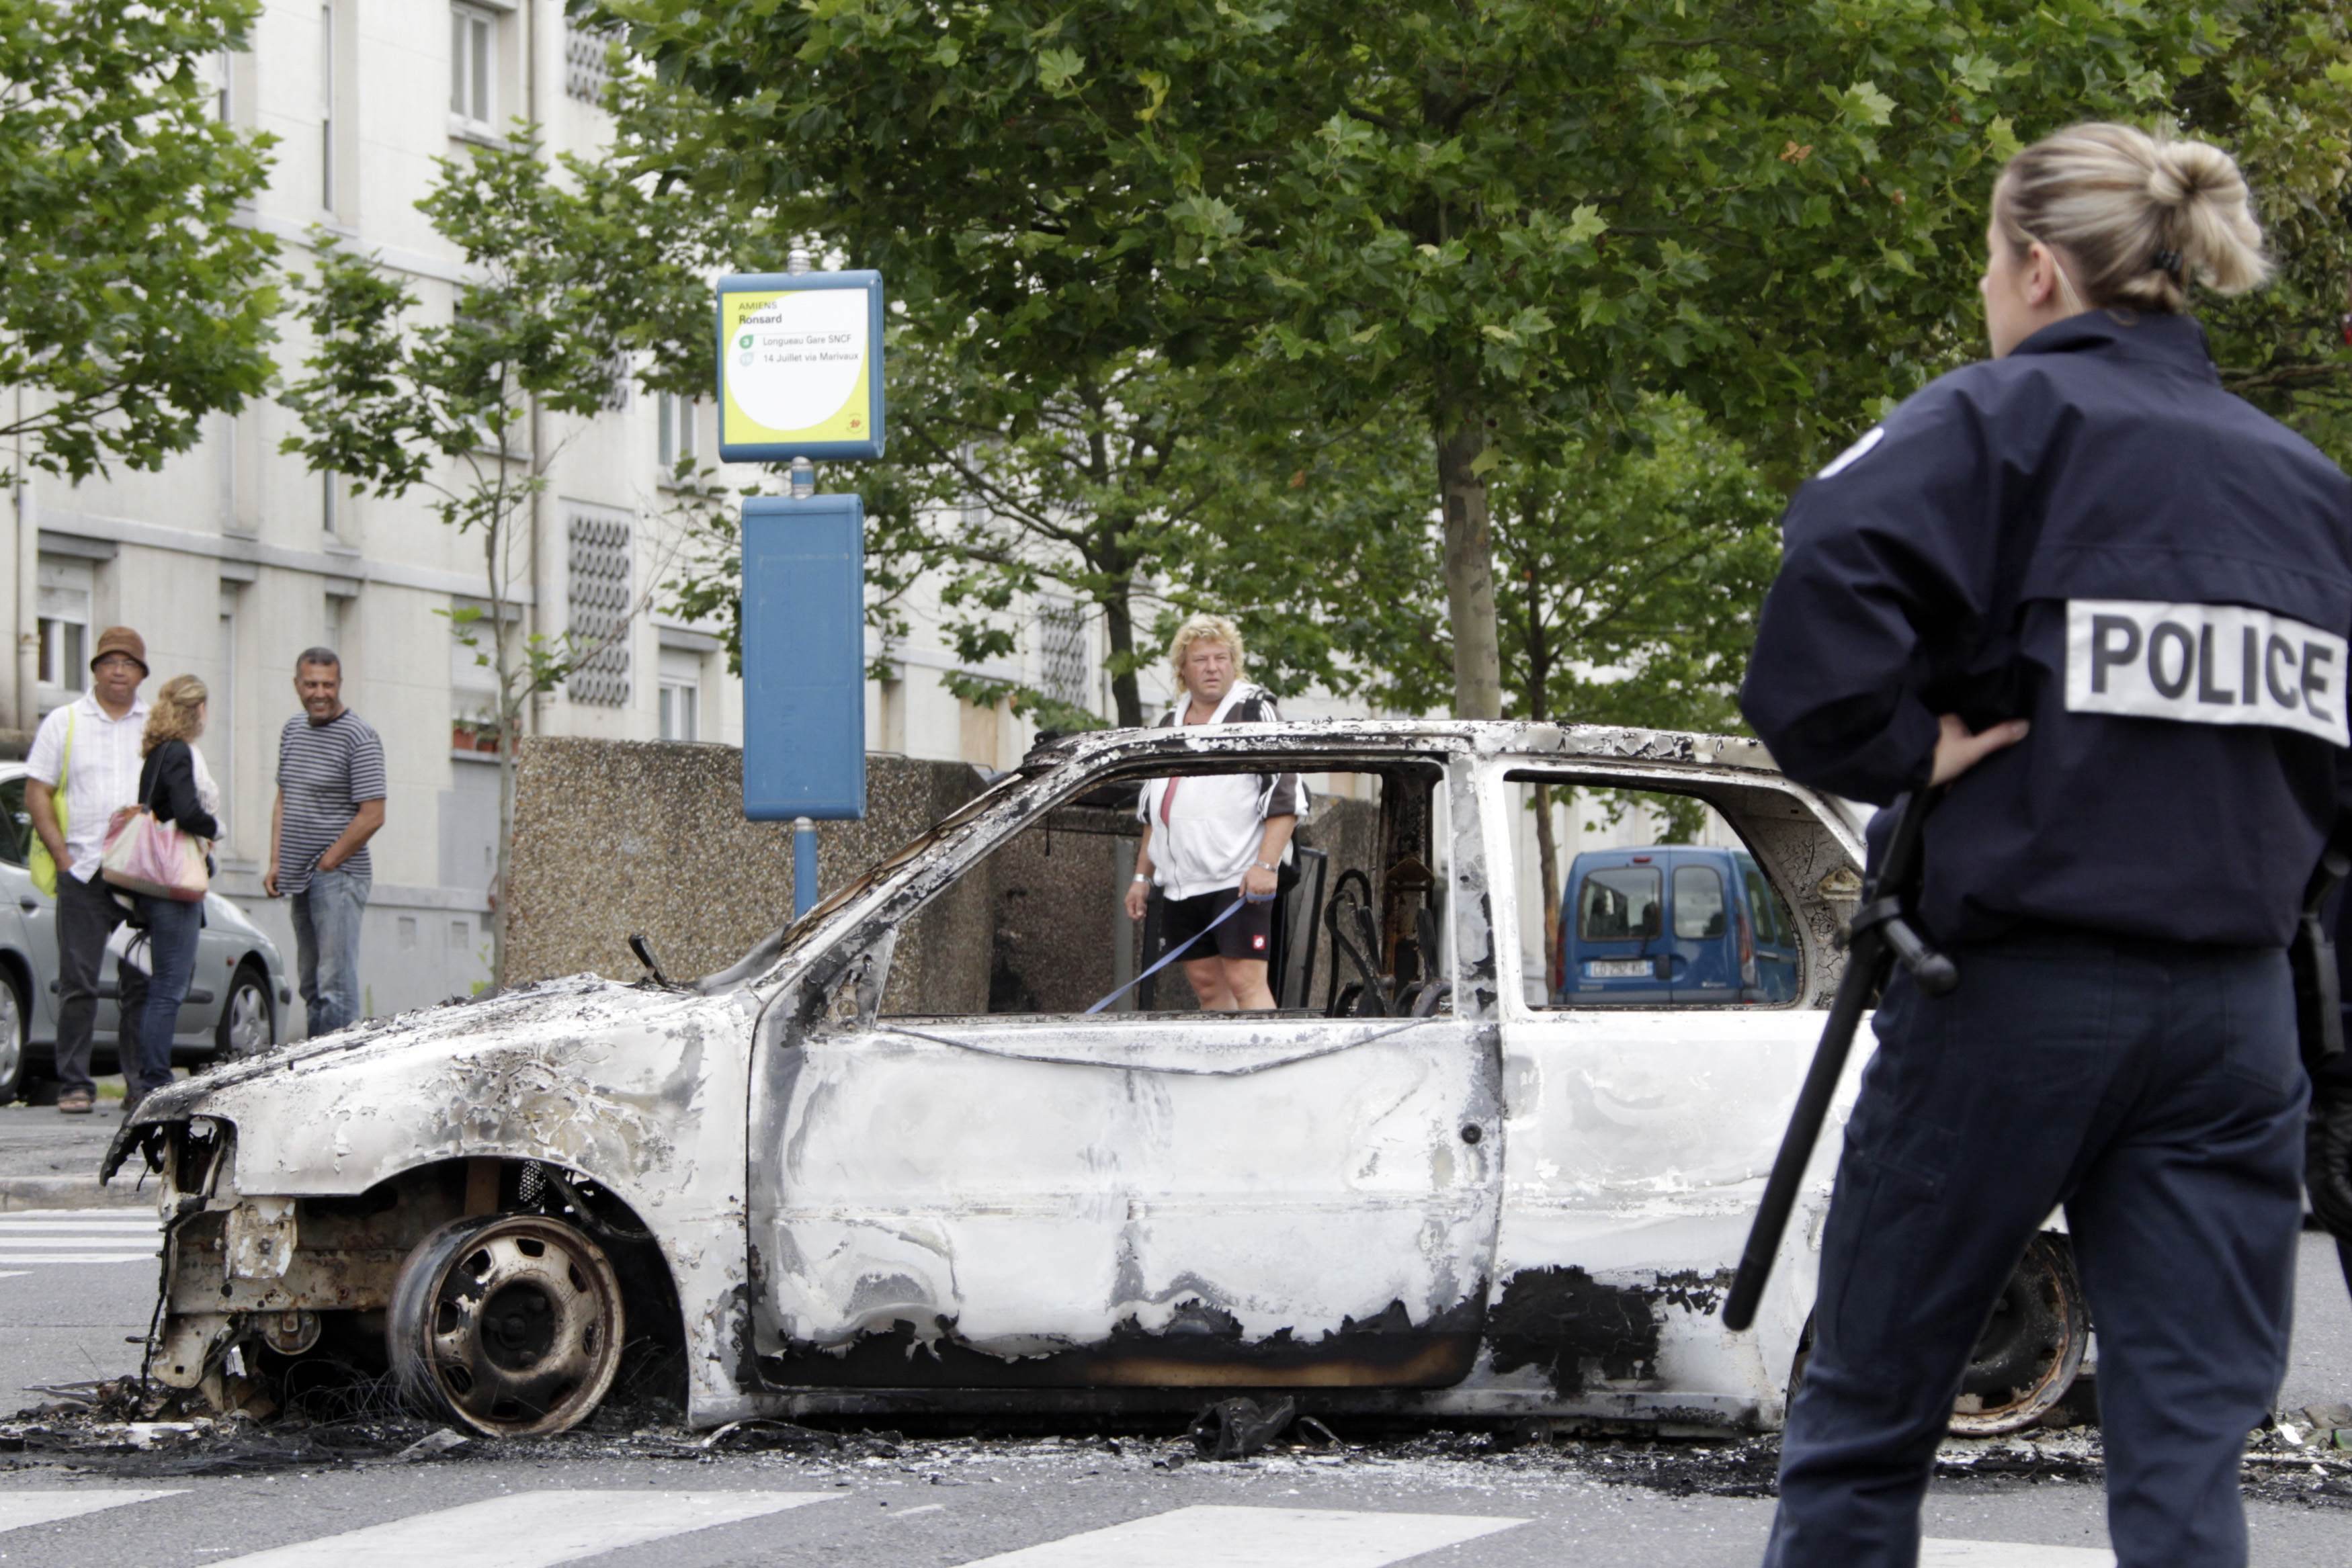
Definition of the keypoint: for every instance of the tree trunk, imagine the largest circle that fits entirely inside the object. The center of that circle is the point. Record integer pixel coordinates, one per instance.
(1469, 560)
(509, 710)
(1125, 693)
(1548, 878)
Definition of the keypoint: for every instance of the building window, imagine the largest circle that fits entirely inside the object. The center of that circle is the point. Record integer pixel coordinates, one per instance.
(473, 67)
(681, 694)
(597, 595)
(327, 105)
(473, 677)
(681, 432)
(586, 62)
(221, 70)
(65, 629)
(66, 590)
(1062, 673)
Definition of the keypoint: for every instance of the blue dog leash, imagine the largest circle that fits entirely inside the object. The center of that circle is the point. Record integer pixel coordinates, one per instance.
(1178, 951)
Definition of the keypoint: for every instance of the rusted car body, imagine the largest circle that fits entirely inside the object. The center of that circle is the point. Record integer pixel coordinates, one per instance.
(1489, 1209)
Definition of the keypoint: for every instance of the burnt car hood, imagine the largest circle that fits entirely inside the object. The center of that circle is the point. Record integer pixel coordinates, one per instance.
(583, 1071)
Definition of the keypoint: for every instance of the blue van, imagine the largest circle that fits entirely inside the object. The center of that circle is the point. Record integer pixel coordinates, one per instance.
(1674, 925)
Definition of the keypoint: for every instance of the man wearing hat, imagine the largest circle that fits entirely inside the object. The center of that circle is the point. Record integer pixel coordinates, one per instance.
(87, 752)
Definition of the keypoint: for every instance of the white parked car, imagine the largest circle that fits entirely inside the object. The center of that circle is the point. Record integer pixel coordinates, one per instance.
(235, 1001)
(885, 1163)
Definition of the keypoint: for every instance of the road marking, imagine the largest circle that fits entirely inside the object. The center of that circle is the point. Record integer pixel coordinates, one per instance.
(20, 1508)
(530, 1530)
(78, 1236)
(1218, 1537)
(1934, 1553)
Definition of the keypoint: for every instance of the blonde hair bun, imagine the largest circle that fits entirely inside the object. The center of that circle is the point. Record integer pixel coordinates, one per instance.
(2137, 216)
(2199, 184)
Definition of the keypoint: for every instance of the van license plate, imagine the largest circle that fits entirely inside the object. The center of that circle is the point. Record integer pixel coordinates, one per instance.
(1619, 968)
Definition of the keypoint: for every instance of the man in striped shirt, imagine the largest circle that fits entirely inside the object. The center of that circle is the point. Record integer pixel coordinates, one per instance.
(329, 803)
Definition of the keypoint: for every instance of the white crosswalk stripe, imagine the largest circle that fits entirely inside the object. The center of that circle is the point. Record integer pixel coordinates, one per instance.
(78, 1236)
(544, 1529)
(19, 1509)
(1212, 1537)
(1934, 1553)
(530, 1530)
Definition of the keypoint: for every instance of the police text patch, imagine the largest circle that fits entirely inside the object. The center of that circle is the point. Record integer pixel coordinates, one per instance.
(2204, 664)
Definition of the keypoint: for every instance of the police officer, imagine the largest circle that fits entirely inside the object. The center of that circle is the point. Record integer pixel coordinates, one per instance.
(2107, 604)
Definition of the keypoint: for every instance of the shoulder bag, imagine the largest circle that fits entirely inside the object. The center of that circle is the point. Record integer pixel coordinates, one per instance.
(38, 859)
(155, 858)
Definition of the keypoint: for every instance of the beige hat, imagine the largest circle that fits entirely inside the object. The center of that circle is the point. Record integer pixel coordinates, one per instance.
(121, 640)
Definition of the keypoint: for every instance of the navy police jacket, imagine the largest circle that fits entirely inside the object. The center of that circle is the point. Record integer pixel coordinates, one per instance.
(2092, 535)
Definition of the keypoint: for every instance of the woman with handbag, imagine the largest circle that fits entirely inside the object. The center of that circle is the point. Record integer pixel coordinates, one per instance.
(171, 790)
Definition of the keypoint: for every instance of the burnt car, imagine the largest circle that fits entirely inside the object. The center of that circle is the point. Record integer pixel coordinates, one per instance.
(889, 1164)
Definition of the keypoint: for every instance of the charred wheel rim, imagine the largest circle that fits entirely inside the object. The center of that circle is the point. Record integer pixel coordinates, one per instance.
(2030, 1348)
(509, 1325)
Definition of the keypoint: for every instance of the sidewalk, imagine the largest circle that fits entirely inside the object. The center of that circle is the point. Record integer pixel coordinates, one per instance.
(50, 1161)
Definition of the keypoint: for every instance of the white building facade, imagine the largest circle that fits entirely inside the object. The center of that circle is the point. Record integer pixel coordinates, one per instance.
(234, 558)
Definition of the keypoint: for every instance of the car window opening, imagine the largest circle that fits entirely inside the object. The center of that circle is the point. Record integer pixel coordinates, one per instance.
(1642, 898)
(1040, 924)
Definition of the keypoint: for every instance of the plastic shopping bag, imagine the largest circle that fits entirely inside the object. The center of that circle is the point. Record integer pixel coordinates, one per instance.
(143, 855)
(129, 943)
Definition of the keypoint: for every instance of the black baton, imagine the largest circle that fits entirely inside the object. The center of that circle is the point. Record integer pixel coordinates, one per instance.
(1878, 935)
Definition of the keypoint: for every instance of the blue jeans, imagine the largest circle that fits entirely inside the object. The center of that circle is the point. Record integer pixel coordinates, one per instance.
(171, 928)
(2154, 1091)
(327, 948)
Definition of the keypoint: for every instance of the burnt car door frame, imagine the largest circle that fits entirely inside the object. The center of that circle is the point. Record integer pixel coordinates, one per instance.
(1638, 1136)
(1284, 1264)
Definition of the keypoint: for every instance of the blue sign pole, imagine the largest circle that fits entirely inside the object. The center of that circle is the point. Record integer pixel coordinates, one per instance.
(803, 866)
(800, 377)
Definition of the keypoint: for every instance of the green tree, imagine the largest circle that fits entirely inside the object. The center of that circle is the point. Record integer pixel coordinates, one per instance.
(2281, 99)
(133, 303)
(1000, 489)
(1513, 218)
(1629, 574)
(562, 270)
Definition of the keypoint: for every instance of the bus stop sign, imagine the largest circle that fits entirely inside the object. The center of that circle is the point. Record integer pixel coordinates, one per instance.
(804, 658)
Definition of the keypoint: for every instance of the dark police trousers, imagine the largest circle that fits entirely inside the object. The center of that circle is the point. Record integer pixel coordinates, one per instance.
(2156, 1092)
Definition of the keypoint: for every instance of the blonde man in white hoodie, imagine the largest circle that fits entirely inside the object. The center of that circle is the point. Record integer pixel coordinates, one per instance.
(1212, 841)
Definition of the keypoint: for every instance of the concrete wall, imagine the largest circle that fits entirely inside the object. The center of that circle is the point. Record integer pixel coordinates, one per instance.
(614, 837)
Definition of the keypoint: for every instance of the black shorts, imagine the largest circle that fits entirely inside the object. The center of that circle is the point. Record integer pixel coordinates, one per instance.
(1249, 934)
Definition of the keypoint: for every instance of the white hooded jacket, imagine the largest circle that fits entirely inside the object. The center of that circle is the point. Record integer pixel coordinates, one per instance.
(1208, 835)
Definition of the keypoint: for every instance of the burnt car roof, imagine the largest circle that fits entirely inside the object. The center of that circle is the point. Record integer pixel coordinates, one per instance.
(1359, 736)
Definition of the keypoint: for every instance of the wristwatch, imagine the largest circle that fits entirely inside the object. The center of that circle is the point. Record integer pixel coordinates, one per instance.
(1265, 865)
(1141, 877)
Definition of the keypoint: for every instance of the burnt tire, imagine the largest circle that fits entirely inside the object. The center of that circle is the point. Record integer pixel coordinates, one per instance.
(506, 1324)
(2032, 1347)
(2028, 1353)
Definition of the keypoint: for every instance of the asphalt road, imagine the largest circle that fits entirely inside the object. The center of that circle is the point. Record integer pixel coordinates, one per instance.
(1031, 1502)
